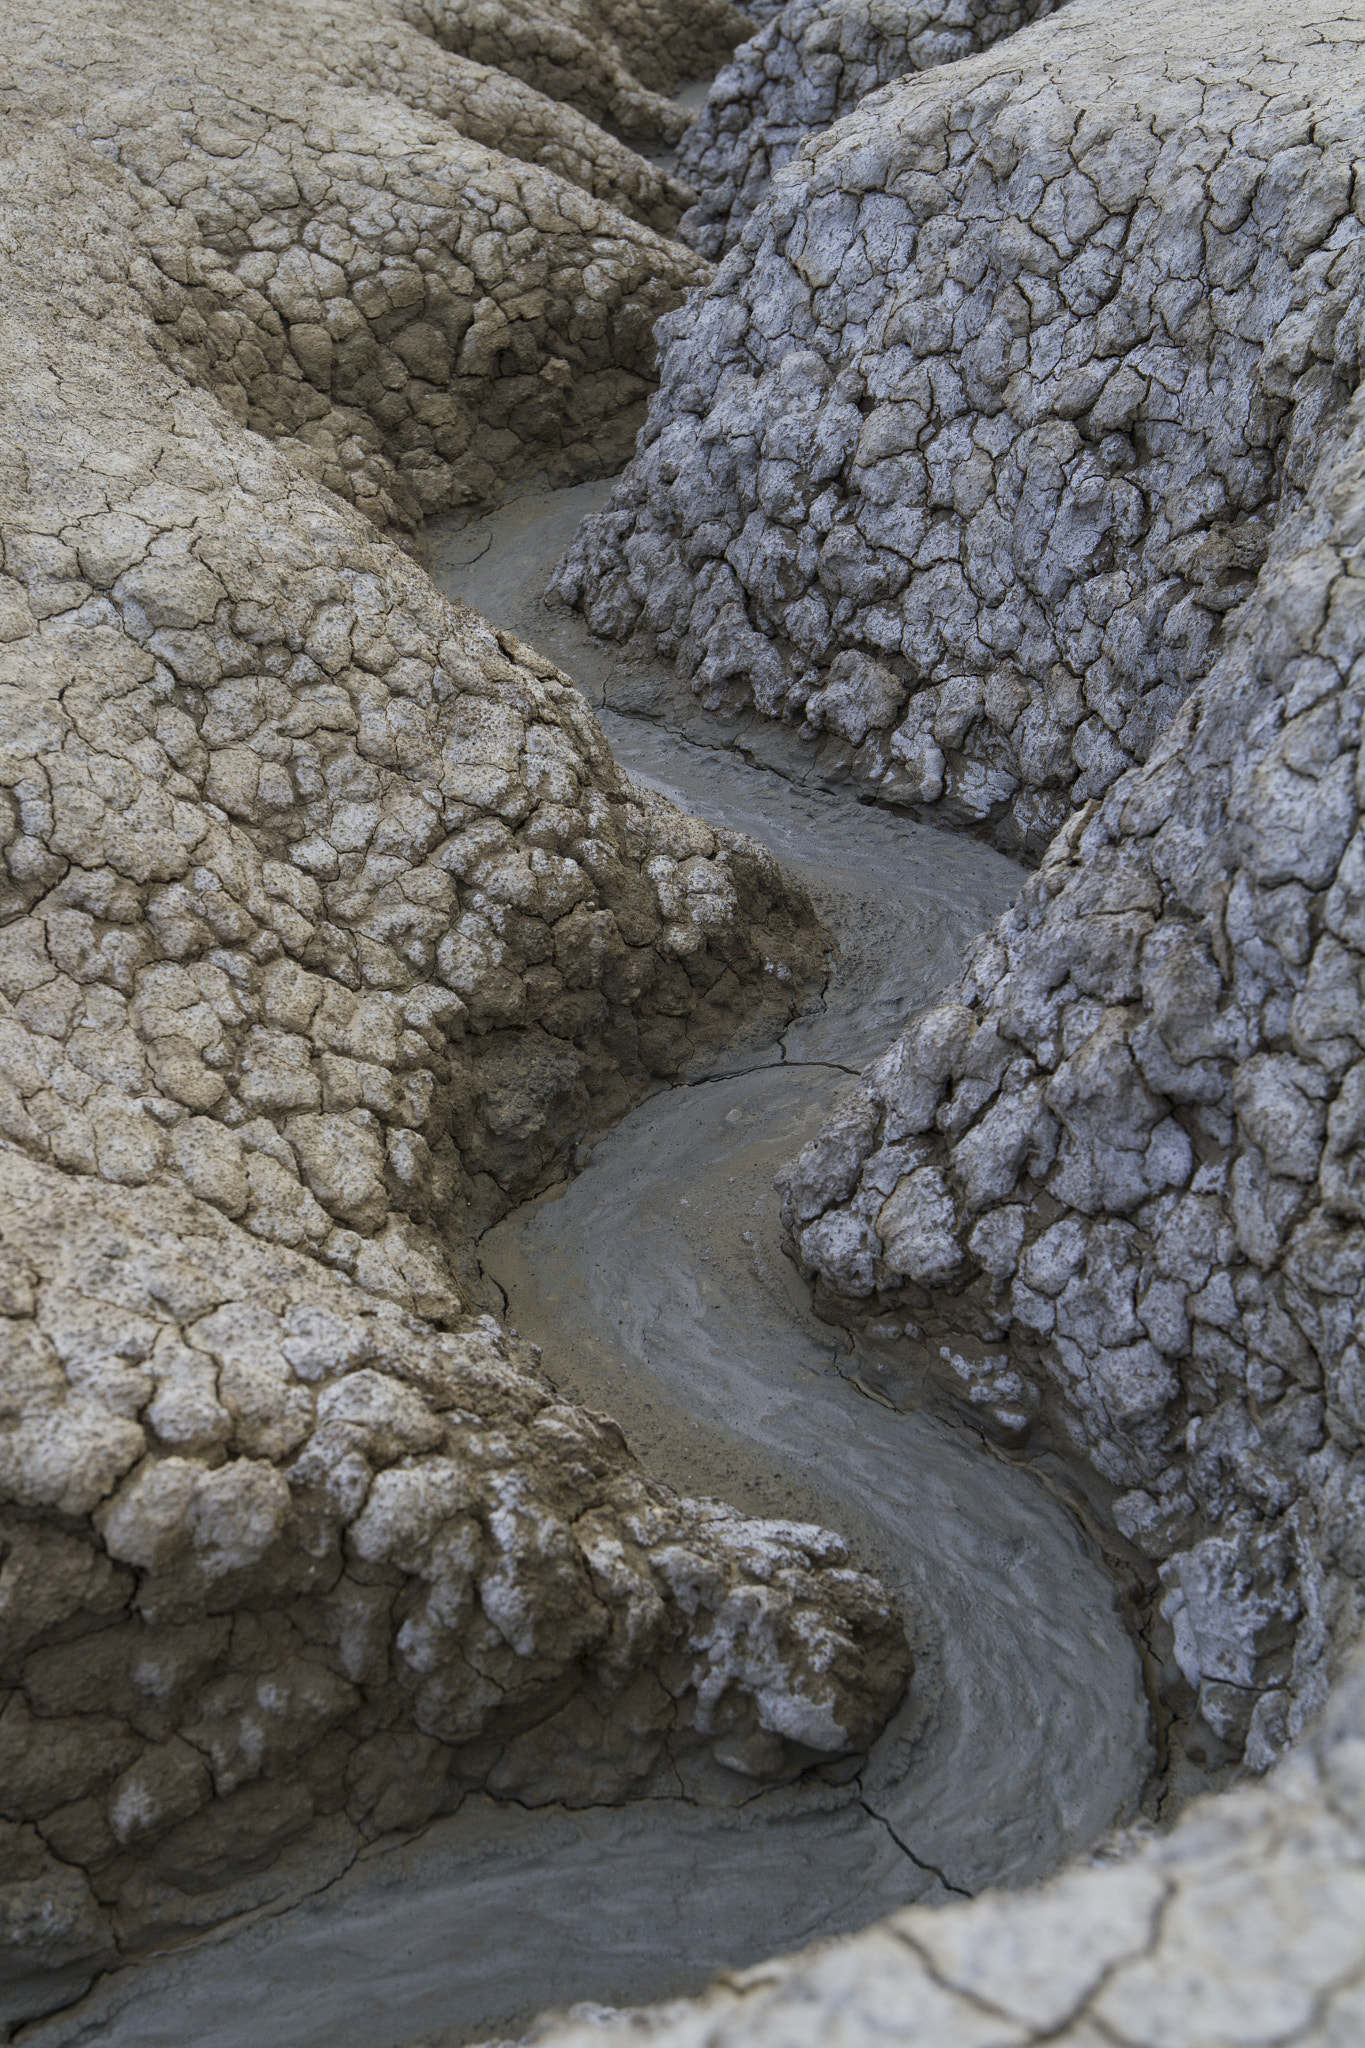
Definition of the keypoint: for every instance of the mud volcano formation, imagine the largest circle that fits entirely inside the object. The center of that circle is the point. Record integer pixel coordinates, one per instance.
(682, 1052)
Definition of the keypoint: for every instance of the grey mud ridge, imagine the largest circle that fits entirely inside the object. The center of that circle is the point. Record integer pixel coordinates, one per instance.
(656, 1281)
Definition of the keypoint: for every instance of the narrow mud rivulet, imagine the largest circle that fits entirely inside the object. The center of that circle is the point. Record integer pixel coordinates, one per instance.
(659, 1274)
(658, 1277)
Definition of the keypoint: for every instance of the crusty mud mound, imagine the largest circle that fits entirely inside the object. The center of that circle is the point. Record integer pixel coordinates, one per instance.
(980, 431)
(312, 216)
(322, 901)
(619, 61)
(811, 64)
(1111, 1183)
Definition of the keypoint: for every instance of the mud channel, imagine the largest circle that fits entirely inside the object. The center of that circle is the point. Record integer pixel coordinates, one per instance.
(657, 1287)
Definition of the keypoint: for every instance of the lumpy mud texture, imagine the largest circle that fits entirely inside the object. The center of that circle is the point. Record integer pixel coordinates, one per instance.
(1111, 1184)
(981, 429)
(280, 1559)
(422, 273)
(809, 65)
(323, 902)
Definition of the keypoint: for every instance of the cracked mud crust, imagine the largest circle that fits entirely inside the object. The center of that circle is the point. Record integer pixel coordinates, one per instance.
(1108, 1187)
(810, 64)
(1013, 457)
(979, 432)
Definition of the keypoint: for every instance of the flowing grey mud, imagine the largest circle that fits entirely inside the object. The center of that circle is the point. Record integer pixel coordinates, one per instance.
(1025, 1731)
(1025, 1734)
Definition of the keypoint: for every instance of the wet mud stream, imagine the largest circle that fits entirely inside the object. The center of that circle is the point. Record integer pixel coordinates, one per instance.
(656, 1284)
(657, 1287)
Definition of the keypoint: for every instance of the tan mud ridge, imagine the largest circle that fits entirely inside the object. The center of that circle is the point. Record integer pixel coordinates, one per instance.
(1026, 1734)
